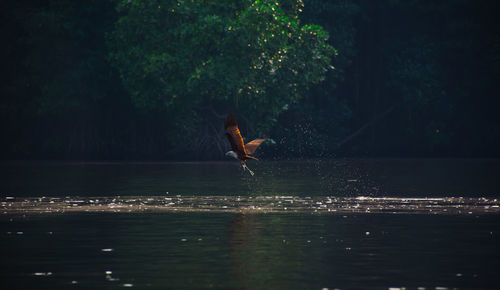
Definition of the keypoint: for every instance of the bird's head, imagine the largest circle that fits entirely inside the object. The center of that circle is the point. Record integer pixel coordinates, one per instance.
(232, 154)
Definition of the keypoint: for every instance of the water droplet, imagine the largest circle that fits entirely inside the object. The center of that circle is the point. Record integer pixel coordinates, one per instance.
(107, 250)
(42, 273)
(109, 278)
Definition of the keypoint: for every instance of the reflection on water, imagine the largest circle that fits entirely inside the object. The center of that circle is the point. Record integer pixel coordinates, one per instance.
(251, 204)
(224, 250)
(347, 224)
(366, 177)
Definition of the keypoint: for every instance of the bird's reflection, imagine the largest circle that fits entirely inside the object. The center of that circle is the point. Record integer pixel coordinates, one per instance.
(244, 231)
(260, 252)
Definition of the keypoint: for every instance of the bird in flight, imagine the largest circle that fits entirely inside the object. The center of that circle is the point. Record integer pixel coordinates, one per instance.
(240, 150)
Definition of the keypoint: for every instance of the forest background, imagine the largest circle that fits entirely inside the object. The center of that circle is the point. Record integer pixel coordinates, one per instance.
(154, 80)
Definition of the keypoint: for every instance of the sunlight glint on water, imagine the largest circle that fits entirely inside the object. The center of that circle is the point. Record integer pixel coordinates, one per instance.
(345, 224)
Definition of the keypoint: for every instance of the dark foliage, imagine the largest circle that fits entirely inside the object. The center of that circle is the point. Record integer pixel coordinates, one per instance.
(131, 80)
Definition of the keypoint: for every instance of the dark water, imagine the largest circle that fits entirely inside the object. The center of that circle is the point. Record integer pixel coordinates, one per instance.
(448, 237)
(375, 177)
(272, 251)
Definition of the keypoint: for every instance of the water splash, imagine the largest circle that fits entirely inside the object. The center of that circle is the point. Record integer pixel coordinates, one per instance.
(258, 204)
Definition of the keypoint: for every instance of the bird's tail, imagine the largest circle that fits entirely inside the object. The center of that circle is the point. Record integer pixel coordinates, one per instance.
(251, 157)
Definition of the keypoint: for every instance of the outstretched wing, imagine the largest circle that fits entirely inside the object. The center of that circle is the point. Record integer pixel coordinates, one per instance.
(252, 145)
(234, 136)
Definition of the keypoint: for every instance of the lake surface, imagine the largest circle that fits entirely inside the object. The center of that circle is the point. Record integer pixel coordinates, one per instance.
(345, 224)
(342, 177)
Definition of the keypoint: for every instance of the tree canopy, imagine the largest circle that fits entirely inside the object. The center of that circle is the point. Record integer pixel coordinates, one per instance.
(251, 57)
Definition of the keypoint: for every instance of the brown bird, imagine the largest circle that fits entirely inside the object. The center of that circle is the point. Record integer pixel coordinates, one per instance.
(240, 150)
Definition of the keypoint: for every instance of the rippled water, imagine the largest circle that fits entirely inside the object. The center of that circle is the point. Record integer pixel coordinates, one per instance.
(345, 224)
(254, 205)
(224, 250)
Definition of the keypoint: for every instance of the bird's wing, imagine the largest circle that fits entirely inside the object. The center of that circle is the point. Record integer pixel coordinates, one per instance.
(252, 145)
(234, 136)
